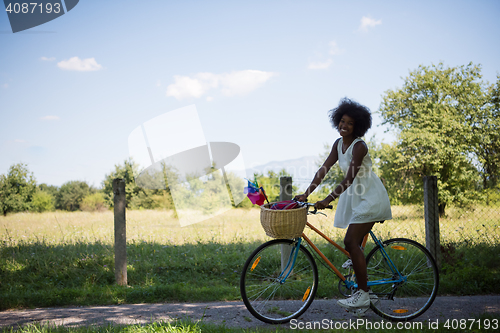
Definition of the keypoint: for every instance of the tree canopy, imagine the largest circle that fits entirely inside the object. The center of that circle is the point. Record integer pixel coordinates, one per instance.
(146, 194)
(444, 119)
(70, 195)
(447, 124)
(17, 188)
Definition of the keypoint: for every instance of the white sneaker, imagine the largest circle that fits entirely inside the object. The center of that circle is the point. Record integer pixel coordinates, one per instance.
(361, 311)
(347, 264)
(360, 299)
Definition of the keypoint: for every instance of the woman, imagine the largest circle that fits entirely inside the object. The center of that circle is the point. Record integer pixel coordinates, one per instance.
(363, 199)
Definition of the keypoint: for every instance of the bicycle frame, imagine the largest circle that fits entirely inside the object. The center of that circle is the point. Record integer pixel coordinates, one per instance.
(349, 284)
(286, 284)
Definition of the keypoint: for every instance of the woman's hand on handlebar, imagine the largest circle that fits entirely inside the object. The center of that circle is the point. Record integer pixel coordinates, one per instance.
(323, 203)
(301, 198)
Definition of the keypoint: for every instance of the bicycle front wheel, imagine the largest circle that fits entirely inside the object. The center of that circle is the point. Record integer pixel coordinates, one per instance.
(264, 291)
(409, 298)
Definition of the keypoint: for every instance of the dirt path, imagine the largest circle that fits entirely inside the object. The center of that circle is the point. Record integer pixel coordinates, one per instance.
(233, 314)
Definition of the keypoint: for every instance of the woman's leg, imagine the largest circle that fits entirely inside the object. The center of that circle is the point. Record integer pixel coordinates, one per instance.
(353, 238)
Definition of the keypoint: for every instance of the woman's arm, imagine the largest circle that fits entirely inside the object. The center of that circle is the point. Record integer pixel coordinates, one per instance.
(321, 173)
(358, 153)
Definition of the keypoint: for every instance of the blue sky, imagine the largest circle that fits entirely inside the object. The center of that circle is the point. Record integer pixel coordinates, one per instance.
(262, 74)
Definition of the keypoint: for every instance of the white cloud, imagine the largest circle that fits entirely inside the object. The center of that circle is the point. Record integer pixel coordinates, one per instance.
(81, 65)
(47, 59)
(243, 82)
(5, 85)
(368, 22)
(334, 48)
(320, 64)
(20, 141)
(230, 84)
(50, 118)
(185, 87)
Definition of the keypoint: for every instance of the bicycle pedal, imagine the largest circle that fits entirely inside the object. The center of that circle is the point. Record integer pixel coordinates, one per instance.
(347, 264)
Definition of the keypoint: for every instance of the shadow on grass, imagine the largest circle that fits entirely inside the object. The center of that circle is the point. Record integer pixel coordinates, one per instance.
(39, 274)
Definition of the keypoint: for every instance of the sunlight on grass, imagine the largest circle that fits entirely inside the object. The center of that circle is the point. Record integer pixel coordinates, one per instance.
(67, 258)
(147, 225)
(238, 225)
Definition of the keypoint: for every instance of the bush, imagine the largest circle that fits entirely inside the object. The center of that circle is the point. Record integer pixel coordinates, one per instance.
(50, 189)
(493, 196)
(71, 194)
(163, 201)
(42, 202)
(94, 202)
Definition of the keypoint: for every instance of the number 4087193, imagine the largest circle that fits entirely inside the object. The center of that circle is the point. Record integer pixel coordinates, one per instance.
(469, 324)
(33, 7)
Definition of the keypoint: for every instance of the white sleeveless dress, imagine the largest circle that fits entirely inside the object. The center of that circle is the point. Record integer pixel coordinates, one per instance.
(366, 200)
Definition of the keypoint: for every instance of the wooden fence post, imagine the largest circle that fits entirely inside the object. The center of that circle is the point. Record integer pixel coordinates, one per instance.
(120, 202)
(286, 188)
(285, 194)
(432, 218)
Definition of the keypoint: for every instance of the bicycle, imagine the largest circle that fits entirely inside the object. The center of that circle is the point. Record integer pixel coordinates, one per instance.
(277, 287)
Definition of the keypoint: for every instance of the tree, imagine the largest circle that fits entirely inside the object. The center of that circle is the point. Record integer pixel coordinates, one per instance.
(271, 184)
(50, 189)
(404, 186)
(93, 202)
(45, 198)
(486, 127)
(42, 202)
(150, 192)
(70, 195)
(437, 114)
(125, 172)
(208, 194)
(16, 189)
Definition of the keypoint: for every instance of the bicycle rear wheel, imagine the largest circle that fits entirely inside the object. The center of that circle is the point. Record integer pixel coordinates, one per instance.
(262, 288)
(402, 301)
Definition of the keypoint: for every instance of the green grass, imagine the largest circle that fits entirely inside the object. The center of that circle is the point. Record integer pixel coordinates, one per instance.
(40, 274)
(469, 269)
(196, 327)
(62, 258)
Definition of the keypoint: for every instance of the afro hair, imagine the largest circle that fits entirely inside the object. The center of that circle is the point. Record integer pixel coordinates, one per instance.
(360, 114)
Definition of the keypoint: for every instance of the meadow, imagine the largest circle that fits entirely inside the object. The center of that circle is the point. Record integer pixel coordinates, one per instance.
(67, 258)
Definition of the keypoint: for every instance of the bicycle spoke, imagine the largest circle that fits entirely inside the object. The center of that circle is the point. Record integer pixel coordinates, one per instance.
(418, 289)
(276, 300)
(265, 301)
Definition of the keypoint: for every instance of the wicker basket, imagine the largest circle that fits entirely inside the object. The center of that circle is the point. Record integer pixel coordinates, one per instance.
(283, 223)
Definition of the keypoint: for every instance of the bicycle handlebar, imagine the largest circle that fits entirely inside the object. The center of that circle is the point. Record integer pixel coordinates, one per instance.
(315, 211)
(311, 205)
